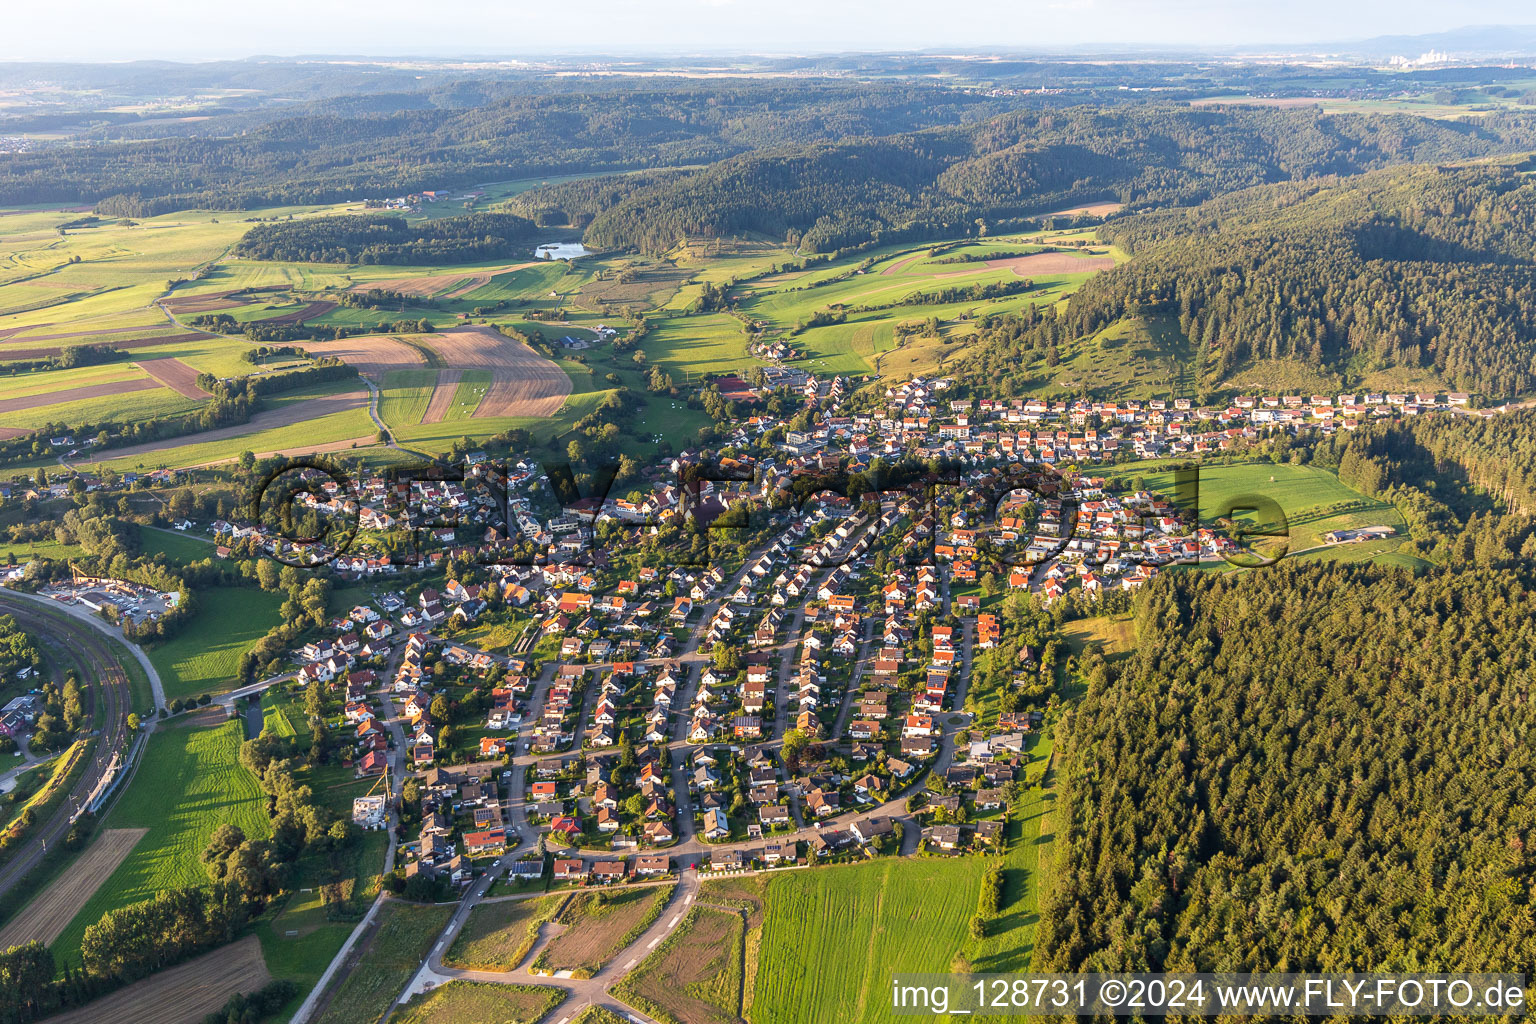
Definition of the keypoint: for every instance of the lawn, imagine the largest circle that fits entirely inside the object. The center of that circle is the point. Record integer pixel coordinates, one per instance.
(205, 655)
(472, 1002)
(189, 782)
(498, 935)
(405, 933)
(178, 547)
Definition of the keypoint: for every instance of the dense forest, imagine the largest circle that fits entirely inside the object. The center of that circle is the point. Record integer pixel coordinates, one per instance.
(993, 175)
(1322, 768)
(1414, 267)
(384, 238)
(374, 146)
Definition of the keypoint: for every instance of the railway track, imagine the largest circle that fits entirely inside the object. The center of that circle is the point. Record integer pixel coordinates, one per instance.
(108, 685)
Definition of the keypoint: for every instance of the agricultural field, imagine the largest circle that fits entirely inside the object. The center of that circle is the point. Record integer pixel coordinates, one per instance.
(184, 994)
(320, 418)
(597, 925)
(689, 346)
(469, 1002)
(497, 936)
(874, 299)
(388, 960)
(204, 656)
(405, 395)
(696, 975)
(833, 937)
(189, 782)
(46, 916)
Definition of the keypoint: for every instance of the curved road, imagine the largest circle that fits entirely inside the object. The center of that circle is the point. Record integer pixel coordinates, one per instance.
(108, 685)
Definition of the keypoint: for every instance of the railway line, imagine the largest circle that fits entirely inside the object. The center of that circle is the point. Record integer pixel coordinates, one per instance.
(108, 685)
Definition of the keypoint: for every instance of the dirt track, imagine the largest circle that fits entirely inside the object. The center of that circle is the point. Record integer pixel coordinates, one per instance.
(374, 356)
(297, 412)
(523, 383)
(121, 387)
(46, 917)
(184, 994)
(174, 374)
(442, 396)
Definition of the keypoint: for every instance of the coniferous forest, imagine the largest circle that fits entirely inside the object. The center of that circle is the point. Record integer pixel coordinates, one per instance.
(1305, 768)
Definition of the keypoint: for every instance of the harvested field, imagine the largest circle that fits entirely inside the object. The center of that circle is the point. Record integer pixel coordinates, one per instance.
(374, 356)
(184, 994)
(207, 302)
(318, 308)
(523, 383)
(446, 286)
(174, 374)
(287, 416)
(901, 264)
(47, 915)
(597, 925)
(442, 396)
(6, 352)
(121, 387)
(1091, 210)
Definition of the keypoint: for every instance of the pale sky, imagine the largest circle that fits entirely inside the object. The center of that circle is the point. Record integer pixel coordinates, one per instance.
(207, 29)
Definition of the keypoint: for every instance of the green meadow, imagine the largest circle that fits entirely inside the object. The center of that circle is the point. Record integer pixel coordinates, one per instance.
(204, 656)
(189, 782)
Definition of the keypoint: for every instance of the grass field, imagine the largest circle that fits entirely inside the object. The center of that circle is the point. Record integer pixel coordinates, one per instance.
(498, 935)
(470, 1002)
(203, 657)
(1313, 500)
(189, 782)
(466, 397)
(305, 434)
(699, 344)
(598, 925)
(406, 931)
(695, 975)
(404, 396)
(178, 547)
(832, 937)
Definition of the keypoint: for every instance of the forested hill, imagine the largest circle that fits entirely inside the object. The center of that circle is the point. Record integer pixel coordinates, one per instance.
(944, 181)
(1417, 268)
(386, 239)
(375, 146)
(1304, 769)
(1412, 267)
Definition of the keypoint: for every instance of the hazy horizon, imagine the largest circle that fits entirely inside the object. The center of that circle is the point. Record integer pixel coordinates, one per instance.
(99, 30)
